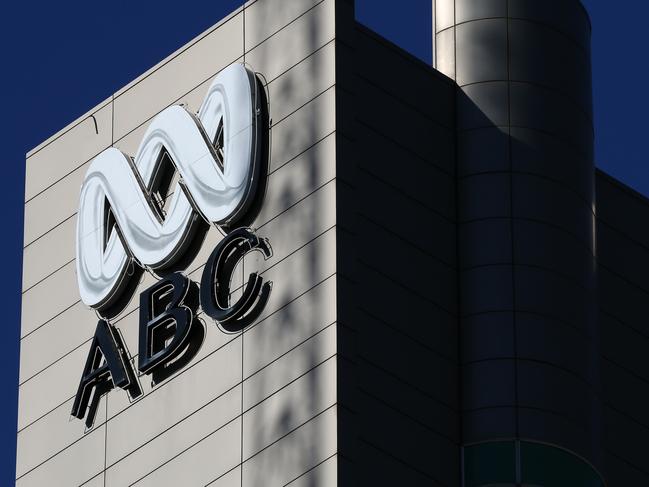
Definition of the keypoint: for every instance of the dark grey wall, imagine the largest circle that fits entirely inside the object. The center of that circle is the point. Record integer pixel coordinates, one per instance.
(623, 264)
(480, 298)
(397, 284)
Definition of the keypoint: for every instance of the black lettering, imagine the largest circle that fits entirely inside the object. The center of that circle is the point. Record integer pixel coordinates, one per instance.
(170, 333)
(107, 366)
(215, 282)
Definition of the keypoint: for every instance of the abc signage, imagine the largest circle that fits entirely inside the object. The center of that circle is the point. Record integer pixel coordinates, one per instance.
(132, 221)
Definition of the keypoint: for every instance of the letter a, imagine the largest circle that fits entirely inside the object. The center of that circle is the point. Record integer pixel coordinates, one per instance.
(107, 366)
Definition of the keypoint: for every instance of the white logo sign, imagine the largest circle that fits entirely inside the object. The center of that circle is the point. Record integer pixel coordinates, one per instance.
(217, 155)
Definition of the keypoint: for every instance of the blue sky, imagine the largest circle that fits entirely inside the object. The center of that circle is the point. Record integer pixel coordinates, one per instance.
(61, 59)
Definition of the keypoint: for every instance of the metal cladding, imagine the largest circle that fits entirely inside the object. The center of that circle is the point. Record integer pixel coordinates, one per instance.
(526, 219)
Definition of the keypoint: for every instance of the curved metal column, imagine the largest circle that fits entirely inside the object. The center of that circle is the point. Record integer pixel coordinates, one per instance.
(526, 219)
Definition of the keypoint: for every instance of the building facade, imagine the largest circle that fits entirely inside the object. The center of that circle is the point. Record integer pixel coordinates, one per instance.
(457, 295)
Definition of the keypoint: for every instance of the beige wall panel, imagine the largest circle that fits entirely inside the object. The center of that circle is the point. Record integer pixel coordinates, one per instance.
(178, 76)
(55, 205)
(60, 291)
(296, 275)
(290, 137)
(206, 461)
(173, 401)
(290, 406)
(292, 184)
(73, 466)
(324, 474)
(288, 232)
(50, 435)
(67, 151)
(302, 83)
(293, 455)
(293, 44)
(49, 298)
(61, 337)
(172, 442)
(229, 479)
(289, 367)
(296, 133)
(53, 386)
(96, 481)
(49, 253)
(309, 314)
(58, 337)
(264, 18)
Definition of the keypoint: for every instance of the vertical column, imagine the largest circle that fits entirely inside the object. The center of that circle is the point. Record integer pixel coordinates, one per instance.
(526, 223)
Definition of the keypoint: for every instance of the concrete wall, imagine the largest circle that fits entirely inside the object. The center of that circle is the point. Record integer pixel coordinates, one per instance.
(254, 408)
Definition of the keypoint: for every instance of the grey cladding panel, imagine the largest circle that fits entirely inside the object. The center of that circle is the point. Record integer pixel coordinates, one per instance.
(426, 182)
(545, 201)
(486, 424)
(542, 154)
(488, 384)
(621, 208)
(485, 196)
(405, 439)
(408, 79)
(482, 150)
(555, 296)
(480, 40)
(399, 395)
(406, 127)
(539, 54)
(466, 10)
(556, 391)
(396, 259)
(486, 289)
(621, 254)
(623, 301)
(488, 335)
(626, 438)
(551, 428)
(539, 244)
(627, 393)
(493, 237)
(624, 346)
(546, 110)
(410, 362)
(567, 16)
(557, 343)
(620, 472)
(481, 105)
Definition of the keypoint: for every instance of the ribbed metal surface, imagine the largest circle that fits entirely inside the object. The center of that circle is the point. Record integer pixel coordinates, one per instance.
(526, 219)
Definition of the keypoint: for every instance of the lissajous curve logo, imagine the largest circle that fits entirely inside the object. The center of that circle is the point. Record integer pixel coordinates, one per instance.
(131, 220)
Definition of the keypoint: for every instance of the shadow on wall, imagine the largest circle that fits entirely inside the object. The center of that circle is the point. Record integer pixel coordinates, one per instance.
(279, 421)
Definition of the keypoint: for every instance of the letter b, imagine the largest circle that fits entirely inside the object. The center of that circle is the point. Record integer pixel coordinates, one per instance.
(170, 334)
